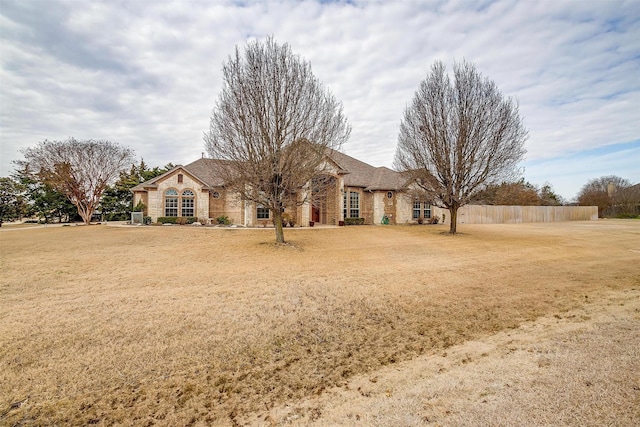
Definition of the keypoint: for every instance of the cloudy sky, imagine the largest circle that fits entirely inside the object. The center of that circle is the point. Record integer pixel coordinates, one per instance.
(146, 73)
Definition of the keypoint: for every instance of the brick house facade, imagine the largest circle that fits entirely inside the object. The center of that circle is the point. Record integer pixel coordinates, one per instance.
(357, 190)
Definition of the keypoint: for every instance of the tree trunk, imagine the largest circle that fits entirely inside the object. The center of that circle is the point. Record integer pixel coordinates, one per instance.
(85, 213)
(277, 222)
(86, 216)
(453, 211)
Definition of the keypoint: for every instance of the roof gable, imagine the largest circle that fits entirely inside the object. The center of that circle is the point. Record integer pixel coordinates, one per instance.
(153, 182)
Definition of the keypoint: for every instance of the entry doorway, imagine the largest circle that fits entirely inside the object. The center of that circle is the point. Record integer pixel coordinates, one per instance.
(325, 202)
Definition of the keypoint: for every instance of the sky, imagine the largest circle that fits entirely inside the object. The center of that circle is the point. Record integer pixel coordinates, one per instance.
(147, 73)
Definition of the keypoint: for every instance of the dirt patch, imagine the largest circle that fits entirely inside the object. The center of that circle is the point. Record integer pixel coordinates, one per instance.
(581, 368)
(178, 325)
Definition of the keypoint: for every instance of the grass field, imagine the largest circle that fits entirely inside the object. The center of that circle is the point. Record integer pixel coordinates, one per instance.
(192, 326)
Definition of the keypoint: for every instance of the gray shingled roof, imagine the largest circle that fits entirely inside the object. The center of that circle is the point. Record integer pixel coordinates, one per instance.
(361, 174)
(386, 179)
(206, 170)
(356, 174)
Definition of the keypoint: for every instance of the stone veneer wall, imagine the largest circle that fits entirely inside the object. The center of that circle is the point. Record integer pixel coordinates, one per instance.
(155, 199)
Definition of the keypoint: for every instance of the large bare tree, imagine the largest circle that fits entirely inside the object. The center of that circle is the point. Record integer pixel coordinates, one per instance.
(273, 124)
(458, 137)
(79, 169)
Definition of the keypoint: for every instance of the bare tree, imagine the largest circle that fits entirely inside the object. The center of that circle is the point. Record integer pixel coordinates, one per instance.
(456, 138)
(613, 195)
(273, 124)
(81, 170)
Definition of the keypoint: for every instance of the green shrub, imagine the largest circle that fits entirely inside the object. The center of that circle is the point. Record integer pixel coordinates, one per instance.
(223, 220)
(182, 220)
(167, 219)
(146, 220)
(140, 207)
(117, 216)
(354, 221)
(627, 215)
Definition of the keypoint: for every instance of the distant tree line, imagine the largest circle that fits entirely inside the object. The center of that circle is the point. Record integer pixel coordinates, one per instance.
(519, 193)
(615, 197)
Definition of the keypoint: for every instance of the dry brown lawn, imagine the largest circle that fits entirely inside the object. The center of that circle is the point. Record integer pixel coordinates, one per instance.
(354, 325)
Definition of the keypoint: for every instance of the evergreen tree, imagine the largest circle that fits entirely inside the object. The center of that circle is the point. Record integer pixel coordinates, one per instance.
(11, 200)
(116, 202)
(42, 200)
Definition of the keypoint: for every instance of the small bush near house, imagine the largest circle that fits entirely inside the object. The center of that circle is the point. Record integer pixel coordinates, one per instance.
(223, 220)
(287, 218)
(140, 207)
(434, 219)
(354, 221)
(146, 220)
(182, 220)
(167, 219)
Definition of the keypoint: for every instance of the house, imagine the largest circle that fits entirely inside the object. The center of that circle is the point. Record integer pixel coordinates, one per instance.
(376, 195)
(356, 190)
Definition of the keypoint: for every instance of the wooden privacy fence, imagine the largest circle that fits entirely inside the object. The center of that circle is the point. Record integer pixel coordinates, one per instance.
(485, 214)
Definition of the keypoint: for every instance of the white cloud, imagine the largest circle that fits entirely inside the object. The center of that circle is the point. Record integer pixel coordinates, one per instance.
(148, 73)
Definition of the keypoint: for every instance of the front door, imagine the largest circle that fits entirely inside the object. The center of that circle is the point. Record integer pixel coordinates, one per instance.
(315, 213)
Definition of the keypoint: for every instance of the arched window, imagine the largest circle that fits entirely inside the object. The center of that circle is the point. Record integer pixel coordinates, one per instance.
(188, 199)
(171, 202)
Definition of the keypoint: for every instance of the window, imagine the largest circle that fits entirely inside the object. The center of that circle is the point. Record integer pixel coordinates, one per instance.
(344, 205)
(354, 204)
(188, 203)
(416, 210)
(389, 194)
(184, 201)
(351, 203)
(421, 207)
(180, 178)
(262, 212)
(171, 202)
